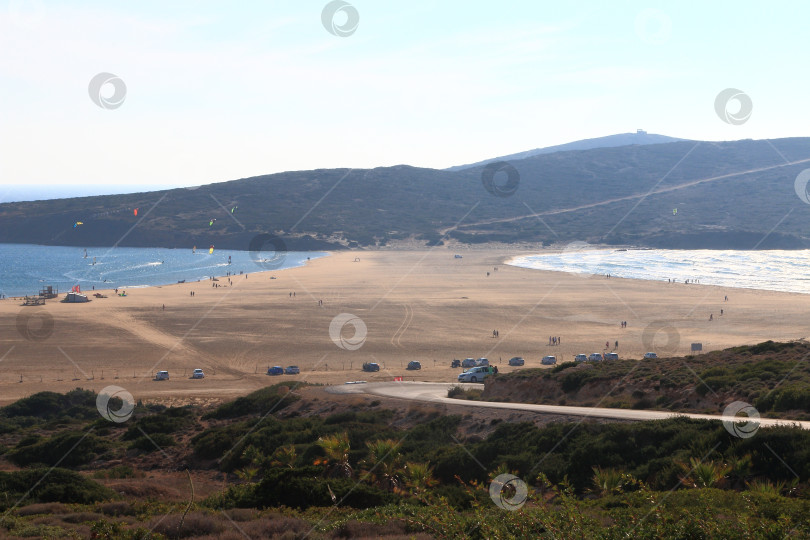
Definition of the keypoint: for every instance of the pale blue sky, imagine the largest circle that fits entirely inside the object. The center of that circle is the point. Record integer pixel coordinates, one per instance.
(224, 90)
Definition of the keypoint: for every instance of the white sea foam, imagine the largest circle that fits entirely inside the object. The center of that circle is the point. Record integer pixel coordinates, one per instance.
(773, 270)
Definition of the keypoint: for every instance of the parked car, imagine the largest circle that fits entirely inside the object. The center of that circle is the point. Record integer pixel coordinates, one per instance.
(549, 360)
(292, 370)
(611, 356)
(162, 376)
(516, 361)
(275, 370)
(413, 364)
(455, 363)
(482, 362)
(650, 355)
(580, 358)
(475, 374)
(595, 357)
(197, 374)
(371, 366)
(468, 362)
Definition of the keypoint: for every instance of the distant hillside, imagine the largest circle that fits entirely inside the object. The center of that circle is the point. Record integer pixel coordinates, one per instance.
(640, 137)
(736, 195)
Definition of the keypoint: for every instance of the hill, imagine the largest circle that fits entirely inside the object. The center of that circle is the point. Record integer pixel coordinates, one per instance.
(640, 137)
(735, 195)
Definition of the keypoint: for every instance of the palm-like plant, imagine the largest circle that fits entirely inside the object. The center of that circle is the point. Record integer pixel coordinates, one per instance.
(419, 477)
(336, 448)
(766, 487)
(284, 456)
(739, 468)
(607, 481)
(255, 459)
(384, 463)
(703, 474)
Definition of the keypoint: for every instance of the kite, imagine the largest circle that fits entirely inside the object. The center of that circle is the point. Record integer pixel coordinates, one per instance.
(76, 224)
(210, 250)
(234, 209)
(212, 222)
(135, 212)
(674, 211)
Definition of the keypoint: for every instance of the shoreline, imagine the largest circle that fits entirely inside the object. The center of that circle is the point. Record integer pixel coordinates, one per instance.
(110, 289)
(416, 305)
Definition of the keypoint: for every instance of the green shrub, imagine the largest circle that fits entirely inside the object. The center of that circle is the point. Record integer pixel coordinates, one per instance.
(259, 403)
(574, 380)
(169, 420)
(155, 441)
(67, 449)
(564, 365)
(49, 485)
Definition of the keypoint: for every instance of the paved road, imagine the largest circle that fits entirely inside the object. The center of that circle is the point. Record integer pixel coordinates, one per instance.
(437, 393)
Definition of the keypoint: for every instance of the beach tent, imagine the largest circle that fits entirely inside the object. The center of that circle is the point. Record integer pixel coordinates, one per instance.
(76, 298)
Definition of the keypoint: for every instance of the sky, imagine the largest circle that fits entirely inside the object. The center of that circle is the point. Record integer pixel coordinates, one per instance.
(214, 91)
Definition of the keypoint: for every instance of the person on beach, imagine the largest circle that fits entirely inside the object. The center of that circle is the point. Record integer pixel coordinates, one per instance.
(711, 316)
(164, 307)
(617, 344)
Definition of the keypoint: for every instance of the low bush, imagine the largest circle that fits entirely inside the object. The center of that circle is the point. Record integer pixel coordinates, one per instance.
(66, 449)
(41, 485)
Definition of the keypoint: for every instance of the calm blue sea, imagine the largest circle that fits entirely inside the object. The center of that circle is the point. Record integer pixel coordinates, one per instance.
(772, 270)
(25, 269)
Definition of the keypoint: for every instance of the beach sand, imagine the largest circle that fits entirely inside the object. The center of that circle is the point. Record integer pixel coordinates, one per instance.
(416, 305)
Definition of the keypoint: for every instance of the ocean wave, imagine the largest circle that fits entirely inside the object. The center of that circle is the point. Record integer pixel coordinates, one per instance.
(774, 270)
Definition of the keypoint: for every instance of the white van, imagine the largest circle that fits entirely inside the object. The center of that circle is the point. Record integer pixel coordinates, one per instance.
(162, 376)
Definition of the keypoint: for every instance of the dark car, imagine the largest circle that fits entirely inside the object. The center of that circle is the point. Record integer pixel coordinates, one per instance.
(275, 370)
(413, 364)
(371, 366)
(455, 363)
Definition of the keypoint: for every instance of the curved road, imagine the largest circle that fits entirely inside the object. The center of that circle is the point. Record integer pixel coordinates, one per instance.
(437, 393)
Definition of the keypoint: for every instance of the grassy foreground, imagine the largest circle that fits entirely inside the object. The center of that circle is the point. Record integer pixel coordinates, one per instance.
(291, 470)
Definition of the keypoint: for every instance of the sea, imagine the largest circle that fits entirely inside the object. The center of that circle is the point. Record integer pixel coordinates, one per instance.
(25, 269)
(772, 270)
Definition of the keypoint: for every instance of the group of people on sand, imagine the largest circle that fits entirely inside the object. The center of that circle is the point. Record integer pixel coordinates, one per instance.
(496, 333)
(554, 340)
(623, 324)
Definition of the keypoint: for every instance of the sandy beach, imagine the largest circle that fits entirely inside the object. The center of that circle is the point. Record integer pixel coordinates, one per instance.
(416, 305)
